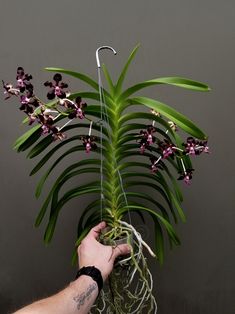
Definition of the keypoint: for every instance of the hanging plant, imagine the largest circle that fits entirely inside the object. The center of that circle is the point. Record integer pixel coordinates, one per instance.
(131, 154)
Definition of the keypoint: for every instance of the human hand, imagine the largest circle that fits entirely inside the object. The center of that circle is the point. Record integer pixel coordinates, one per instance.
(93, 253)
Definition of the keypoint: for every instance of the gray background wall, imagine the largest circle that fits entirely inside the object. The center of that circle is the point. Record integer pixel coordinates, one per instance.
(186, 38)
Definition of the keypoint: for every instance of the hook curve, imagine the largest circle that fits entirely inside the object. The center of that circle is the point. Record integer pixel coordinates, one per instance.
(101, 48)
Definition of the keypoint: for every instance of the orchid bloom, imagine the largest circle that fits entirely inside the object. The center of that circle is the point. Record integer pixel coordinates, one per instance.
(56, 87)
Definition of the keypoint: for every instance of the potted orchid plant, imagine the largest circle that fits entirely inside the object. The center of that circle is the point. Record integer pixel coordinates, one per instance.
(131, 146)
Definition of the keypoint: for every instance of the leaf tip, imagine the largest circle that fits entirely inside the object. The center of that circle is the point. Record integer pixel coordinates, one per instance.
(50, 69)
(36, 224)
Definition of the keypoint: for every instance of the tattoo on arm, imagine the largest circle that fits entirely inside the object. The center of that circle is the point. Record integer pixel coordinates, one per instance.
(81, 298)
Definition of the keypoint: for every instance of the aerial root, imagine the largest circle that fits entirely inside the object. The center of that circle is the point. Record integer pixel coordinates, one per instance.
(130, 286)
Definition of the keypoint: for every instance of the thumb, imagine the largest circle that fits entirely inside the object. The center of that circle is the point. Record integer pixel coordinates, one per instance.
(121, 249)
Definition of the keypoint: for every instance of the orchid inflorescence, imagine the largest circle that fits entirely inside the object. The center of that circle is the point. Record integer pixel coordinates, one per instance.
(48, 114)
(167, 149)
(37, 111)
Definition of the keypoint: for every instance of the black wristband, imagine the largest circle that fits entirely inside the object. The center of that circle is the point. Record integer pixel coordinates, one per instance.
(94, 273)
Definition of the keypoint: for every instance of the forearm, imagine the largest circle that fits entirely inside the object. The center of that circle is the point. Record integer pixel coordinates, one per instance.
(77, 298)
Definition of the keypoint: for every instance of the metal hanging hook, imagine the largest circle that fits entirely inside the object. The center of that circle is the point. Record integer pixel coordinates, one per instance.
(98, 50)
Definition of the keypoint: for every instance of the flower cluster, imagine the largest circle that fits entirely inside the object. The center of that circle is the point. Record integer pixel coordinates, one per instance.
(195, 147)
(168, 149)
(39, 112)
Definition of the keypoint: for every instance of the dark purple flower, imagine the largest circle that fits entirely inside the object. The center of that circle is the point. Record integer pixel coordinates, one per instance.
(195, 147)
(28, 102)
(9, 90)
(57, 134)
(88, 142)
(204, 147)
(56, 87)
(46, 121)
(47, 126)
(32, 118)
(167, 148)
(23, 80)
(155, 166)
(147, 138)
(186, 176)
(25, 106)
(78, 109)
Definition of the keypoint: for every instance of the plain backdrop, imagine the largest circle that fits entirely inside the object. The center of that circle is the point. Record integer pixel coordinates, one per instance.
(195, 39)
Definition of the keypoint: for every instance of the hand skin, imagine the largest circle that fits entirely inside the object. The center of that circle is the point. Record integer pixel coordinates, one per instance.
(81, 294)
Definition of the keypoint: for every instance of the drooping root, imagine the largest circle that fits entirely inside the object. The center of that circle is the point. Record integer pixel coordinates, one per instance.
(130, 286)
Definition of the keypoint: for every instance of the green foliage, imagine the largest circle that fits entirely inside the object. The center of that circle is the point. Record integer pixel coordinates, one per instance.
(119, 145)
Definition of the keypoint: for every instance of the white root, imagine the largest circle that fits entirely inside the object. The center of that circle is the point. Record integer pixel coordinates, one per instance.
(138, 236)
(130, 287)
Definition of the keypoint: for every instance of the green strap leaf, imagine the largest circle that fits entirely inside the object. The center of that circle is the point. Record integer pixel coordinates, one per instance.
(93, 205)
(155, 187)
(61, 144)
(151, 200)
(164, 191)
(81, 190)
(125, 69)
(49, 196)
(80, 76)
(167, 225)
(128, 138)
(68, 176)
(127, 154)
(108, 79)
(159, 241)
(177, 189)
(40, 164)
(129, 127)
(33, 132)
(175, 81)
(148, 116)
(49, 155)
(178, 192)
(41, 146)
(174, 200)
(182, 121)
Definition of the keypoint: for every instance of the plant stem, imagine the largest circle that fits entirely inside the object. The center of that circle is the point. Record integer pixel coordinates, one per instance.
(112, 174)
